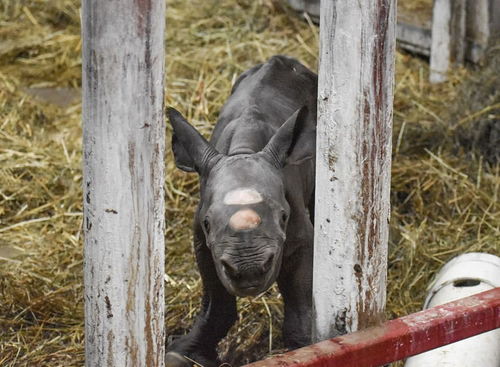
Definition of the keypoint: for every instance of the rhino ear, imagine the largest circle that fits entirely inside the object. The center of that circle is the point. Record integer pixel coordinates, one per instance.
(192, 152)
(294, 142)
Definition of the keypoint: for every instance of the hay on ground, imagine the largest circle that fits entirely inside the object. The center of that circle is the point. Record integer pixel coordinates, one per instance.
(444, 195)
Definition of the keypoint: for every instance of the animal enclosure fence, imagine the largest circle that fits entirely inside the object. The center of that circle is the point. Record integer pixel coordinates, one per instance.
(400, 338)
(456, 31)
(103, 336)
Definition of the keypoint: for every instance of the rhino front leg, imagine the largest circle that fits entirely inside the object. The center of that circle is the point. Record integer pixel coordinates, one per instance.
(295, 284)
(217, 315)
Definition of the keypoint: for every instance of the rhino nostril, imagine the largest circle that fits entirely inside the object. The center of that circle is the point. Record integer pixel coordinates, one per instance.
(268, 262)
(230, 269)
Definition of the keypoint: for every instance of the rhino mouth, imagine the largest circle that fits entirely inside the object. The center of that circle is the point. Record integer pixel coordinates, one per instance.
(253, 286)
(247, 290)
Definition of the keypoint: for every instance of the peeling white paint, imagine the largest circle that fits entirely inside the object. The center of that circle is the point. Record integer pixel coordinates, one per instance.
(123, 142)
(356, 77)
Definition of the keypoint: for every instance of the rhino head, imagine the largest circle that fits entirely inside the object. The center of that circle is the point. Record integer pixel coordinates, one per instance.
(243, 208)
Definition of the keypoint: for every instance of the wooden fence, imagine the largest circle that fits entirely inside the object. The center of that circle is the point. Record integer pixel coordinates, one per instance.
(123, 66)
(457, 30)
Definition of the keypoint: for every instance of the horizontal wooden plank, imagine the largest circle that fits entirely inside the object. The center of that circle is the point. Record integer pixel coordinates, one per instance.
(414, 28)
(414, 38)
(400, 338)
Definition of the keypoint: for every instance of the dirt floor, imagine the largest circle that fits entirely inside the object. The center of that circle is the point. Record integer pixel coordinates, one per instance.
(445, 175)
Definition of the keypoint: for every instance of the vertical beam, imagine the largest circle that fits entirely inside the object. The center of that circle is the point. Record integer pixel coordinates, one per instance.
(441, 39)
(494, 19)
(356, 79)
(458, 31)
(123, 143)
(478, 28)
(448, 37)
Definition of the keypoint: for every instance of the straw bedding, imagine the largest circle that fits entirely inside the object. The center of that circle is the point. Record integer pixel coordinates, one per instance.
(445, 177)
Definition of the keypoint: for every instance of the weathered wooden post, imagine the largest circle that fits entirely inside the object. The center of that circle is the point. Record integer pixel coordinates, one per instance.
(123, 143)
(356, 78)
(480, 24)
(448, 37)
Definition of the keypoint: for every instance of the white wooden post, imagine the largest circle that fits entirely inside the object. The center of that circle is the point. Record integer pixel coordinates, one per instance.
(356, 79)
(123, 143)
(448, 37)
(441, 39)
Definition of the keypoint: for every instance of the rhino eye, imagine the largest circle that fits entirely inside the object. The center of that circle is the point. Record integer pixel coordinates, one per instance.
(206, 225)
(284, 217)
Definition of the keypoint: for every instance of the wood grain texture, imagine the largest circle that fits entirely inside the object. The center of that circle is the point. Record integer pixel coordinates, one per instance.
(356, 79)
(123, 142)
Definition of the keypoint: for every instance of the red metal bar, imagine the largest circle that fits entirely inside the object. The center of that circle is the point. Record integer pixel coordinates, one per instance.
(399, 338)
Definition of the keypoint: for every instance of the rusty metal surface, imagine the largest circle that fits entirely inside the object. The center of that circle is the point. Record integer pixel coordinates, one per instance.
(400, 338)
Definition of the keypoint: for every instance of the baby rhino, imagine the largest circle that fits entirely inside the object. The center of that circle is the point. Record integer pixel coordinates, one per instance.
(254, 222)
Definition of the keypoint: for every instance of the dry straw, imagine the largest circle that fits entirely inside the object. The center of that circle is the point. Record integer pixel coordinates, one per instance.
(444, 194)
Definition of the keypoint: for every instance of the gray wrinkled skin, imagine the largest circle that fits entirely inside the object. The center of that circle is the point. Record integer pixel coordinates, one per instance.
(264, 141)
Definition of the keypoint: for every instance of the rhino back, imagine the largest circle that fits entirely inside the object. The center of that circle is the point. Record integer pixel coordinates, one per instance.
(274, 89)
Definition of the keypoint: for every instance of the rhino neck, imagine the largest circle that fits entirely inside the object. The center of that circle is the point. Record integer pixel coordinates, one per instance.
(247, 134)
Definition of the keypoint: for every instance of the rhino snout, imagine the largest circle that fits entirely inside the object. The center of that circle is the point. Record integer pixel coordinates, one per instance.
(237, 272)
(248, 277)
